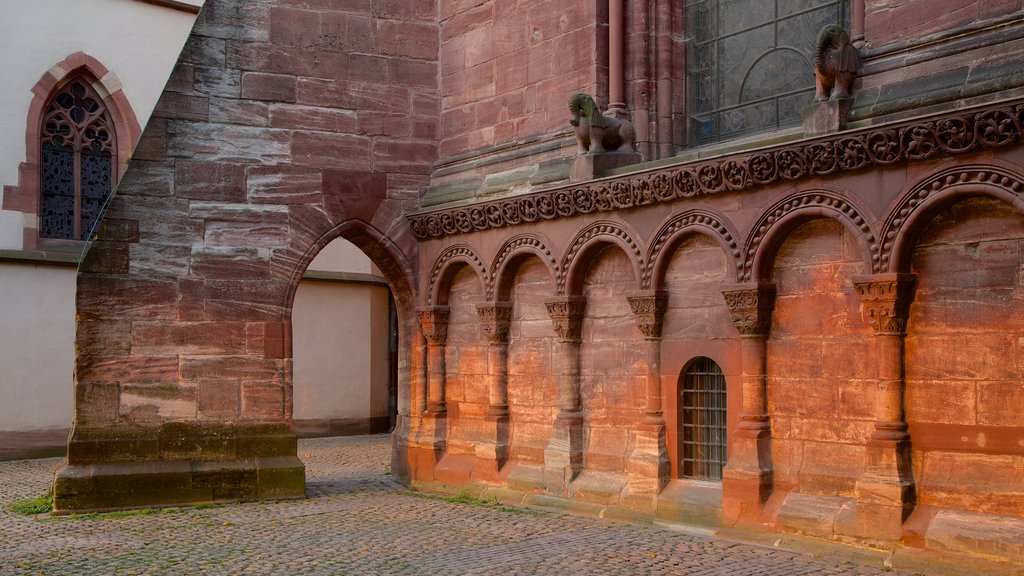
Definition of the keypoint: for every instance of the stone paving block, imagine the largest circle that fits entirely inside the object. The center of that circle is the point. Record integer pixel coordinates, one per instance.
(357, 519)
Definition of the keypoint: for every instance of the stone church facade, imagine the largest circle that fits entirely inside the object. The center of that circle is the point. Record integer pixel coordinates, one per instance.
(779, 321)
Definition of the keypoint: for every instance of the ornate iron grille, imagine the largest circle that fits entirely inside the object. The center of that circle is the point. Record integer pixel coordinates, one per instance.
(77, 171)
(751, 63)
(703, 435)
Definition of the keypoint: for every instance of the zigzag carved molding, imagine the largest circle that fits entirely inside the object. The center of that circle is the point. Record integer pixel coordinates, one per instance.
(923, 139)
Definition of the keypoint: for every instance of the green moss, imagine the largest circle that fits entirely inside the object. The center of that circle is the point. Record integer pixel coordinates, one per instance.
(31, 507)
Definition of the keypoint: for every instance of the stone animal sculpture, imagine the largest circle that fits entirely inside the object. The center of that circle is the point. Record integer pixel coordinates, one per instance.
(836, 62)
(595, 132)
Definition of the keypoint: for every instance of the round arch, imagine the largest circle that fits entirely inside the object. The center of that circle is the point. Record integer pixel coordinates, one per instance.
(919, 205)
(587, 243)
(445, 268)
(677, 229)
(777, 222)
(510, 257)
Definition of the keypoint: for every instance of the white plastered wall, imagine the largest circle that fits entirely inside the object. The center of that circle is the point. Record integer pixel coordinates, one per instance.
(36, 347)
(340, 341)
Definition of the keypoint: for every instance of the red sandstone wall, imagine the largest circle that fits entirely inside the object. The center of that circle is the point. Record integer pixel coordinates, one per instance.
(820, 363)
(508, 68)
(965, 361)
(696, 323)
(532, 377)
(901, 20)
(281, 121)
(613, 363)
(466, 364)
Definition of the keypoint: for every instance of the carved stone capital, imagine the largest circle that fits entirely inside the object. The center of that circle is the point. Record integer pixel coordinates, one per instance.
(567, 316)
(494, 319)
(751, 308)
(885, 300)
(434, 323)
(648, 311)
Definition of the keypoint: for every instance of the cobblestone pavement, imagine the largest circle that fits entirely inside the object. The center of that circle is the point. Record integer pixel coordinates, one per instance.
(358, 520)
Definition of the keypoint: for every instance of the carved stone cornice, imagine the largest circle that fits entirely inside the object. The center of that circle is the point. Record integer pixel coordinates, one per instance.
(567, 316)
(885, 301)
(495, 319)
(925, 138)
(648, 311)
(434, 323)
(751, 308)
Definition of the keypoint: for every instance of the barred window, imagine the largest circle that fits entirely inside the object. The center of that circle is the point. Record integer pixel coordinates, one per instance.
(77, 162)
(702, 409)
(751, 63)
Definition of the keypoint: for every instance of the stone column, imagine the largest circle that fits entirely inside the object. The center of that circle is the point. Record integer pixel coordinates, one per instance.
(747, 480)
(563, 458)
(886, 492)
(434, 325)
(493, 453)
(648, 465)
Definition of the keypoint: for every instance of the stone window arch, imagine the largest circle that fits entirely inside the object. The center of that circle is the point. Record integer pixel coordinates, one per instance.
(77, 160)
(702, 420)
(751, 63)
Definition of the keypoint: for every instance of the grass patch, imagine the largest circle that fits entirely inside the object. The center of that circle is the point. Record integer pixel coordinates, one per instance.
(115, 515)
(33, 506)
(465, 497)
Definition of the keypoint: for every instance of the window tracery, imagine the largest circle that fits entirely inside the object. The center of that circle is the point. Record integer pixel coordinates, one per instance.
(77, 162)
(751, 63)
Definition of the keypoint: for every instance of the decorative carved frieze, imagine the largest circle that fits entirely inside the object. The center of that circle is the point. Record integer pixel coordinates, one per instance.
(495, 319)
(567, 316)
(885, 300)
(751, 308)
(923, 139)
(648, 310)
(434, 324)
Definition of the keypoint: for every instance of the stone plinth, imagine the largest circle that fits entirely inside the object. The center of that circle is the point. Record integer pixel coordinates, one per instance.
(590, 166)
(826, 117)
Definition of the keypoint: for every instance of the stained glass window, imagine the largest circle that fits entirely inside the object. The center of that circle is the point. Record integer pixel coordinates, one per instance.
(77, 170)
(702, 409)
(751, 63)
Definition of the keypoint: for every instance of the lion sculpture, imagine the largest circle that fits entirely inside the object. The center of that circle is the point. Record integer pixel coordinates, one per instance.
(836, 62)
(595, 132)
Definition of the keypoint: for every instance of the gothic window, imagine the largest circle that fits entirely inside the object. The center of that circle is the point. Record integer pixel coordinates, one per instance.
(702, 439)
(77, 162)
(751, 63)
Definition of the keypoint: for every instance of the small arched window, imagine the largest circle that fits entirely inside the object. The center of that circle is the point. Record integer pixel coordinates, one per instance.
(78, 160)
(702, 419)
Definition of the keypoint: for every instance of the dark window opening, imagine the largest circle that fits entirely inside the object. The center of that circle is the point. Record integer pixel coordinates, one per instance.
(77, 170)
(702, 409)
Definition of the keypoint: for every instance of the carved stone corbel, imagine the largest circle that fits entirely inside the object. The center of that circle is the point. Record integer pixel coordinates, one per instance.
(751, 308)
(434, 324)
(648, 311)
(885, 301)
(567, 316)
(494, 321)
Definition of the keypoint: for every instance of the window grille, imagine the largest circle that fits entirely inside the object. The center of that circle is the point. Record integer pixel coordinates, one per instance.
(77, 171)
(751, 63)
(703, 421)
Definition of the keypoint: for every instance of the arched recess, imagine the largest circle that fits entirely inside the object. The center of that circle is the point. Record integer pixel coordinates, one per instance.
(399, 275)
(587, 244)
(772, 229)
(445, 268)
(963, 239)
(25, 197)
(914, 209)
(675, 231)
(510, 257)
